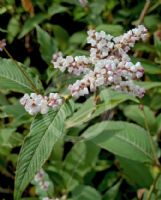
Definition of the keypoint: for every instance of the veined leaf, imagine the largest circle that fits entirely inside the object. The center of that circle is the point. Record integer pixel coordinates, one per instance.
(45, 131)
(131, 167)
(31, 23)
(83, 192)
(121, 138)
(47, 44)
(11, 77)
(90, 110)
(134, 113)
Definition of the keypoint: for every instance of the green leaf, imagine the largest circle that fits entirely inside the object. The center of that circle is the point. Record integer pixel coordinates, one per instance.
(16, 110)
(85, 193)
(131, 167)
(55, 9)
(5, 135)
(135, 113)
(3, 100)
(110, 29)
(78, 38)
(112, 192)
(82, 115)
(61, 36)
(90, 110)
(151, 22)
(47, 44)
(31, 23)
(13, 28)
(108, 181)
(11, 77)
(45, 131)
(85, 155)
(121, 138)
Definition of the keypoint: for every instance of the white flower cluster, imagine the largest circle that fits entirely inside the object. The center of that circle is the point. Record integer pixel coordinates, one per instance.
(83, 3)
(108, 64)
(36, 103)
(75, 65)
(39, 178)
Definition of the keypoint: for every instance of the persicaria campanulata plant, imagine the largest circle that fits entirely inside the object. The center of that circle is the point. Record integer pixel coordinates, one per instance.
(107, 65)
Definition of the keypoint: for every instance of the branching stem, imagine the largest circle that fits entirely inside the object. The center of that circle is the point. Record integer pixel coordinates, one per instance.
(143, 13)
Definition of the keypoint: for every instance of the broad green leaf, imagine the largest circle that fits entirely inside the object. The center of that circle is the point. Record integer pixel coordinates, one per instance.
(47, 44)
(5, 135)
(141, 117)
(112, 192)
(143, 177)
(82, 115)
(81, 158)
(78, 38)
(155, 100)
(121, 138)
(55, 9)
(151, 22)
(31, 23)
(16, 110)
(110, 29)
(85, 193)
(11, 78)
(108, 181)
(110, 100)
(3, 100)
(61, 36)
(45, 131)
(89, 110)
(13, 28)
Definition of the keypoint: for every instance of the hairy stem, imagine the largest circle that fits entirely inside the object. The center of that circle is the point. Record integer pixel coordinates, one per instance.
(23, 72)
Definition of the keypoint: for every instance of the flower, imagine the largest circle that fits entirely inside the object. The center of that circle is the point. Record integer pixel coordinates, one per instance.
(107, 65)
(75, 65)
(2, 44)
(36, 103)
(40, 179)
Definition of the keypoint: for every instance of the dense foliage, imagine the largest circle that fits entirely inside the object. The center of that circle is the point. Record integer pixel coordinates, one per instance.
(100, 146)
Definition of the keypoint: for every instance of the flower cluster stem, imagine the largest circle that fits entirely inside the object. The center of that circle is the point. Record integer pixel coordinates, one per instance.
(143, 13)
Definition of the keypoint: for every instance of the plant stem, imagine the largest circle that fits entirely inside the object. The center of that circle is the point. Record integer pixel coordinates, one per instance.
(151, 140)
(22, 71)
(152, 188)
(143, 13)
